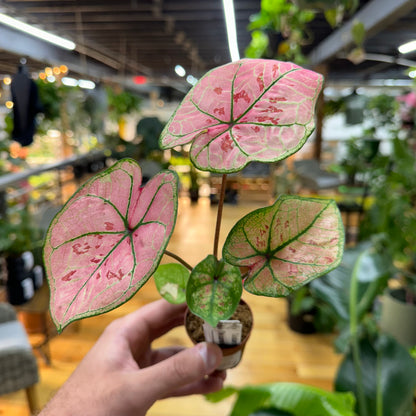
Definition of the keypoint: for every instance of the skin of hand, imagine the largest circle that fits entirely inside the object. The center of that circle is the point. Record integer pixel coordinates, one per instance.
(121, 374)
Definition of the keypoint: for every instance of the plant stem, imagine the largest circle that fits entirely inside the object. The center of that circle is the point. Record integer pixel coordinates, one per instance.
(219, 216)
(179, 259)
(379, 394)
(355, 343)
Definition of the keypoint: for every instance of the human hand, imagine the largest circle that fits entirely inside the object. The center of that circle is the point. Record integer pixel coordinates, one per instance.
(121, 374)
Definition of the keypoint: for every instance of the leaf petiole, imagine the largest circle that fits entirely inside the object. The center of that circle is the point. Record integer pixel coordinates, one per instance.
(179, 259)
(219, 215)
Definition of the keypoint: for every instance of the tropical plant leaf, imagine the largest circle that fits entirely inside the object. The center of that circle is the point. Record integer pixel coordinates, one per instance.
(296, 399)
(372, 273)
(287, 244)
(107, 241)
(388, 377)
(214, 290)
(222, 394)
(171, 282)
(249, 110)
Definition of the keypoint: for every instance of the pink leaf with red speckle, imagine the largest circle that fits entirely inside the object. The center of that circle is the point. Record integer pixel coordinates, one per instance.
(107, 241)
(286, 245)
(249, 110)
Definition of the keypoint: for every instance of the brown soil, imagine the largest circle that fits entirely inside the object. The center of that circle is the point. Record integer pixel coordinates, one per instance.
(196, 332)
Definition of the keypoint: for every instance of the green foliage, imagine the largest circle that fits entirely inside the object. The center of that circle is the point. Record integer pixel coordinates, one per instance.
(171, 280)
(122, 103)
(50, 95)
(292, 398)
(377, 369)
(289, 21)
(304, 301)
(392, 216)
(283, 18)
(362, 152)
(381, 110)
(149, 128)
(18, 233)
(258, 45)
(371, 269)
(332, 107)
(388, 375)
(214, 290)
(358, 32)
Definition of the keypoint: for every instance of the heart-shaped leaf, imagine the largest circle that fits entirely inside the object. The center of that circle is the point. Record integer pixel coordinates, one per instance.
(107, 241)
(171, 282)
(249, 110)
(287, 244)
(214, 290)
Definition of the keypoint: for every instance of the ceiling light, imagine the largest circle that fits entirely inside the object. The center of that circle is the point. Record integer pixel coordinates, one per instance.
(86, 84)
(228, 6)
(180, 70)
(407, 47)
(39, 33)
(191, 79)
(82, 83)
(69, 82)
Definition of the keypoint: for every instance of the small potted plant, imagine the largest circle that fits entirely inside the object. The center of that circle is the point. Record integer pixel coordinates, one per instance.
(19, 239)
(109, 238)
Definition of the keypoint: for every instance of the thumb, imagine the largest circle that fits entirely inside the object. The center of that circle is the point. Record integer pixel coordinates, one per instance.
(188, 366)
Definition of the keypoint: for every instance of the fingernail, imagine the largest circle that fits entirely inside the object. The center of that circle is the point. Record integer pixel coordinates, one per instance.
(208, 355)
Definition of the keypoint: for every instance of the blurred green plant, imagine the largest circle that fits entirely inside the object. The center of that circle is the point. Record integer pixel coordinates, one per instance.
(122, 103)
(285, 399)
(281, 28)
(379, 371)
(18, 232)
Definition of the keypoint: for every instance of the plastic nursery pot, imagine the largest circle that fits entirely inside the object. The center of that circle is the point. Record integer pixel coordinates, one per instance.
(232, 354)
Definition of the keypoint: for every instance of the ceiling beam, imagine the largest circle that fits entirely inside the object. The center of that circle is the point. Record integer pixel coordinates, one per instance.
(375, 15)
(60, 7)
(23, 45)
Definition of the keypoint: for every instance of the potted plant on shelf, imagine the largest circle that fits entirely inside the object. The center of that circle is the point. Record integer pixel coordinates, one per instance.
(19, 239)
(109, 238)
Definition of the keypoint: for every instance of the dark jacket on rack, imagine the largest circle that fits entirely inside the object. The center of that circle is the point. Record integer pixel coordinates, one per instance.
(26, 105)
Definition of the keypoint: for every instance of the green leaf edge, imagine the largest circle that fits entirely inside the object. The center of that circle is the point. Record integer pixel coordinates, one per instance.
(273, 160)
(111, 307)
(334, 265)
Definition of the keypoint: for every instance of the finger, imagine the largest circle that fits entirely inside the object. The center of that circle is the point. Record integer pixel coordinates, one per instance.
(152, 320)
(162, 354)
(207, 385)
(182, 369)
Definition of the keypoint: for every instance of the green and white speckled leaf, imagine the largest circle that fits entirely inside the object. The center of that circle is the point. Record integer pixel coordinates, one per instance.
(286, 245)
(171, 282)
(249, 110)
(214, 290)
(107, 241)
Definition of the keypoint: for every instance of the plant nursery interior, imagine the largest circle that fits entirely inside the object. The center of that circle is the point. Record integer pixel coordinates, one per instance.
(86, 86)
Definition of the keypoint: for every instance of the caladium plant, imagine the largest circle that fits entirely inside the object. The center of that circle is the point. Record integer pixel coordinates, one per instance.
(110, 236)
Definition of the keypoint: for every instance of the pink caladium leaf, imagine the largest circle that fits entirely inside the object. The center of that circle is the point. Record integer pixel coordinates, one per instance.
(286, 245)
(107, 240)
(249, 110)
